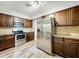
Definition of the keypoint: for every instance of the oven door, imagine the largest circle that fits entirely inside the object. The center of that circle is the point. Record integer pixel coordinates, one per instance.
(20, 36)
(20, 39)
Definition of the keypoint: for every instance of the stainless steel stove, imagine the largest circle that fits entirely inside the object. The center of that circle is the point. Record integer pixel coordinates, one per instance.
(20, 38)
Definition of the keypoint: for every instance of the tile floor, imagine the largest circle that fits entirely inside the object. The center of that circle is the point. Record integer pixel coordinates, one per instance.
(27, 50)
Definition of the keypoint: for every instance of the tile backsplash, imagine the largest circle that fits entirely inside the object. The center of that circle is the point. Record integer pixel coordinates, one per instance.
(5, 30)
(68, 30)
(9, 30)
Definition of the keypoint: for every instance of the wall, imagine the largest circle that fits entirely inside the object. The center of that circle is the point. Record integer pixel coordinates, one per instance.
(35, 29)
(71, 30)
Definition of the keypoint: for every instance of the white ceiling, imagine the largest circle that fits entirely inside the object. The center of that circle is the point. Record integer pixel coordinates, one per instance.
(45, 7)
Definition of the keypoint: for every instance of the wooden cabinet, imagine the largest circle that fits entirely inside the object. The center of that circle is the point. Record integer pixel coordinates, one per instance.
(78, 51)
(2, 43)
(29, 36)
(75, 15)
(58, 46)
(67, 17)
(71, 47)
(6, 41)
(2, 20)
(66, 47)
(9, 21)
(6, 20)
(27, 23)
(61, 17)
(9, 41)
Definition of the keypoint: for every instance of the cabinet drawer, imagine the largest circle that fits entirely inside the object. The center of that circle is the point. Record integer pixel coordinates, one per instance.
(58, 39)
(75, 41)
(9, 36)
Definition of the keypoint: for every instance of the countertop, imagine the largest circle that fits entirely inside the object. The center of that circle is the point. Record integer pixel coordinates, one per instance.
(11, 33)
(67, 36)
(6, 33)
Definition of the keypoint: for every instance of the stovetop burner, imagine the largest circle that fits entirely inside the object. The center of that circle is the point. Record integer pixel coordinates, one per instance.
(18, 32)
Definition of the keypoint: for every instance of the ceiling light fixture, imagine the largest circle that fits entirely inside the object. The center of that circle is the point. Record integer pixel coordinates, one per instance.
(32, 4)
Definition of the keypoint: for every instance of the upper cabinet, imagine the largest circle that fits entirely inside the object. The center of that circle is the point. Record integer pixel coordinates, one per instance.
(27, 23)
(6, 20)
(67, 17)
(1, 21)
(60, 17)
(75, 15)
(9, 20)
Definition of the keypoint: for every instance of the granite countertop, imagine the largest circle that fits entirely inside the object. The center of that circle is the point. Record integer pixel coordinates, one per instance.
(10, 33)
(67, 36)
(26, 32)
(6, 33)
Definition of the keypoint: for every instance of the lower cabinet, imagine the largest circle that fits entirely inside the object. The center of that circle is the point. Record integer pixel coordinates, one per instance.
(66, 47)
(78, 52)
(58, 45)
(29, 36)
(2, 43)
(9, 41)
(6, 41)
(70, 48)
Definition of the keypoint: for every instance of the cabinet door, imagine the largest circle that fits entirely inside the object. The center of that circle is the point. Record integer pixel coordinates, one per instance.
(75, 15)
(9, 20)
(29, 36)
(78, 51)
(10, 41)
(58, 46)
(70, 48)
(2, 43)
(68, 17)
(27, 23)
(6, 20)
(61, 17)
(2, 20)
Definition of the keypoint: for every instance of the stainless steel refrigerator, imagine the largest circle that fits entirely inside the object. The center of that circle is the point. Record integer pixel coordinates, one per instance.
(44, 34)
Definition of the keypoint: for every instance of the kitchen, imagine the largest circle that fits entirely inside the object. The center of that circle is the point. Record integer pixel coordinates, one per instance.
(57, 27)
